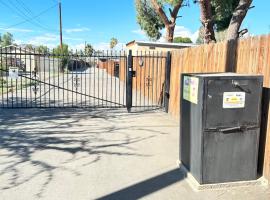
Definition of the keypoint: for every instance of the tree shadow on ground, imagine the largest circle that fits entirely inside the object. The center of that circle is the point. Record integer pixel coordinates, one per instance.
(25, 132)
(148, 186)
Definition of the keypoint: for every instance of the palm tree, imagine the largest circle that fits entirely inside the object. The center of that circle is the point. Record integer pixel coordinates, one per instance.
(113, 42)
(89, 50)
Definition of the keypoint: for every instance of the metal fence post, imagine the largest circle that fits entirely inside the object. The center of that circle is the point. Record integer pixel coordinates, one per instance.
(167, 81)
(129, 81)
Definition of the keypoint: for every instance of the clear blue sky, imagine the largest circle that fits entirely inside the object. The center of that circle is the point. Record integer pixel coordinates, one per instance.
(96, 21)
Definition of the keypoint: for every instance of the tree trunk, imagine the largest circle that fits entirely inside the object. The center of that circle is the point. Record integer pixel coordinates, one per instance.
(207, 21)
(170, 33)
(237, 19)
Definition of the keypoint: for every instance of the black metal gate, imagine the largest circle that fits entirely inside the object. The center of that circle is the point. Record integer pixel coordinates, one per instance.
(104, 79)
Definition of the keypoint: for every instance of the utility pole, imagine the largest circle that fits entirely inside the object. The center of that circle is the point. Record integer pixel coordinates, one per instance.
(60, 20)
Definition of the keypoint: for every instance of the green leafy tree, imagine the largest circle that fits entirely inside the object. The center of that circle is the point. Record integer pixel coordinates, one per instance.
(153, 17)
(63, 55)
(29, 47)
(89, 50)
(182, 40)
(148, 19)
(81, 52)
(42, 49)
(7, 39)
(113, 43)
(61, 51)
(222, 13)
(71, 51)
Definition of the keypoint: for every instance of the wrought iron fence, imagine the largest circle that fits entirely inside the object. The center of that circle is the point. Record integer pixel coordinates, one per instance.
(107, 79)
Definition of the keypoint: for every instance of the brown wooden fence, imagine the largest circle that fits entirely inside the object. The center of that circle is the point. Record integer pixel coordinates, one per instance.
(251, 56)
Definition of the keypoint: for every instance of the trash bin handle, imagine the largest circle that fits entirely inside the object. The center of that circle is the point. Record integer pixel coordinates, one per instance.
(231, 129)
(236, 128)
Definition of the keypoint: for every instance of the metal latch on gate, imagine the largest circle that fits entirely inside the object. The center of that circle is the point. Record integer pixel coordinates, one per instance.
(133, 73)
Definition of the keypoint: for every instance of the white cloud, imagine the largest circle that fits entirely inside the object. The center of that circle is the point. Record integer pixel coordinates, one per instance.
(77, 46)
(106, 46)
(181, 31)
(99, 46)
(72, 39)
(18, 30)
(139, 32)
(18, 41)
(50, 40)
(76, 30)
(48, 37)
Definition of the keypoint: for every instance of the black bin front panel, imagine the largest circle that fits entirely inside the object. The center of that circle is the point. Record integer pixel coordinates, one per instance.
(218, 116)
(230, 156)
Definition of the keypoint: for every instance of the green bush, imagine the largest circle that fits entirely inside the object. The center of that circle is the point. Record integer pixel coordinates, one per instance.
(182, 40)
(64, 63)
(2, 81)
(2, 70)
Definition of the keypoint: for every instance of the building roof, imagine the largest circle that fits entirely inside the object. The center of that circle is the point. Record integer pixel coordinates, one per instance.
(160, 44)
(12, 46)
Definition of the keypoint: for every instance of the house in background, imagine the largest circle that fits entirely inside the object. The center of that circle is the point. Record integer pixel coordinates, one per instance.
(156, 46)
(28, 60)
(16, 56)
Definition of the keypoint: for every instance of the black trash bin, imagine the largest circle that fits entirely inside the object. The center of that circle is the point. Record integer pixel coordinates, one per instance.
(220, 126)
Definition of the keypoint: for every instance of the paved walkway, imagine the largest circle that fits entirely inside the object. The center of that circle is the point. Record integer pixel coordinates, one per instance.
(103, 154)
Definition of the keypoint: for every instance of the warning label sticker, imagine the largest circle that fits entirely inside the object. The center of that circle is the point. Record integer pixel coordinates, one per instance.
(234, 99)
(190, 89)
(14, 72)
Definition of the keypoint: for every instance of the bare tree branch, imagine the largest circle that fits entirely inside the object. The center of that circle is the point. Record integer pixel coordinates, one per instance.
(160, 12)
(169, 23)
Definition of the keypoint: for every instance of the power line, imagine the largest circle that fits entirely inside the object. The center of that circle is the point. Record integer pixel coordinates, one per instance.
(31, 14)
(19, 12)
(25, 7)
(41, 13)
(27, 18)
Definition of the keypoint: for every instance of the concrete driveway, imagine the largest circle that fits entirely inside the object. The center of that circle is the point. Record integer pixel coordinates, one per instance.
(96, 154)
